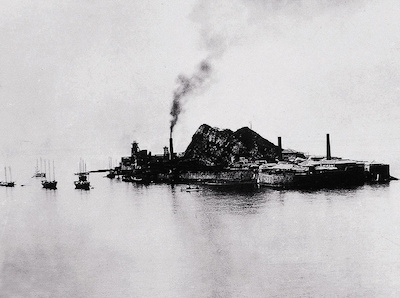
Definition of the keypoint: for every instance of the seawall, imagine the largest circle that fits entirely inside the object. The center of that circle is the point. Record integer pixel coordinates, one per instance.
(227, 176)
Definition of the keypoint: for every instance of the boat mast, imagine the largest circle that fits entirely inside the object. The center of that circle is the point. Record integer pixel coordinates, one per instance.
(5, 173)
(42, 177)
(48, 166)
(54, 176)
(9, 168)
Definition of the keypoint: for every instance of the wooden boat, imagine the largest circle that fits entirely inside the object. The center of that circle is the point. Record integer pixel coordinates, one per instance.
(39, 173)
(82, 183)
(50, 184)
(7, 183)
(83, 175)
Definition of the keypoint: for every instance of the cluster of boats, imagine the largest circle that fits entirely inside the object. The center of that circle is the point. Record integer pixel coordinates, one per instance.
(47, 177)
(81, 183)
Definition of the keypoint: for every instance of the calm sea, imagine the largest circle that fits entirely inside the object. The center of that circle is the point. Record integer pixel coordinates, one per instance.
(125, 240)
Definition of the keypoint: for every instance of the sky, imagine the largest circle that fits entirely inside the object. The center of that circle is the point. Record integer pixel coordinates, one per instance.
(88, 77)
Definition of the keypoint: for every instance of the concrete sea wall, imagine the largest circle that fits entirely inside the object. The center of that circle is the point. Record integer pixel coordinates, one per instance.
(238, 176)
(283, 179)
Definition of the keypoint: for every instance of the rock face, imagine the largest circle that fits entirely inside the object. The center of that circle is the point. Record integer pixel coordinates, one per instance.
(219, 147)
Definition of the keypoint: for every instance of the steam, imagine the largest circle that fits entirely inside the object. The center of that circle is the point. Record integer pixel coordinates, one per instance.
(227, 24)
(188, 85)
(220, 26)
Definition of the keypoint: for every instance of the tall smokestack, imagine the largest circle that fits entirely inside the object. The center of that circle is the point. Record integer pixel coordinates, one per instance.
(280, 148)
(171, 147)
(328, 147)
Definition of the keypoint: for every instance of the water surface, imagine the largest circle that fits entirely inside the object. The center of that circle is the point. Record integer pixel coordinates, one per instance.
(125, 240)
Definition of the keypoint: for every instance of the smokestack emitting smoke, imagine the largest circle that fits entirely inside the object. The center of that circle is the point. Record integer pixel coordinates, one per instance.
(186, 86)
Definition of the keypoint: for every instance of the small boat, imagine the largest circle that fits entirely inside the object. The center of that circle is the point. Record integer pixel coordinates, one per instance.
(50, 184)
(39, 173)
(82, 182)
(7, 183)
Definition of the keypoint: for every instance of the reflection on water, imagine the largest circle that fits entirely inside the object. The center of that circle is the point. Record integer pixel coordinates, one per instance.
(126, 240)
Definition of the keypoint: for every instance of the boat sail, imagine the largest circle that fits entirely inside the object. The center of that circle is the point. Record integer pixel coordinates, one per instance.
(7, 183)
(50, 184)
(82, 182)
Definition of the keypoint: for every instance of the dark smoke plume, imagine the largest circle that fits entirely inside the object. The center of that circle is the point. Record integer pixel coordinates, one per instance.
(188, 85)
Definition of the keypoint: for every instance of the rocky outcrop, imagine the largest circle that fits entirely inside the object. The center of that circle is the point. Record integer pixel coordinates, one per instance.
(219, 147)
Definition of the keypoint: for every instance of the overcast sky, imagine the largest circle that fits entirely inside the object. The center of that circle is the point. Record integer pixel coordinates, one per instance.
(92, 76)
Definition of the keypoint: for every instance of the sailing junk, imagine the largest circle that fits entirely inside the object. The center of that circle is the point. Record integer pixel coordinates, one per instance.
(7, 183)
(39, 173)
(82, 182)
(50, 184)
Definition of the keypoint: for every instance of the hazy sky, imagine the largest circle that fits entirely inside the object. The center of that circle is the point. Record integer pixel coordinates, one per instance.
(92, 76)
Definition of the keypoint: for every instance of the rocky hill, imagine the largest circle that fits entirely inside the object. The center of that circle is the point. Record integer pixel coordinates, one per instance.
(218, 147)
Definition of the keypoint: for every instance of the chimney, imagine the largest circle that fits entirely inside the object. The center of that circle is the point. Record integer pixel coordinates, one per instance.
(280, 149)
(171, 147)
(328, 147)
